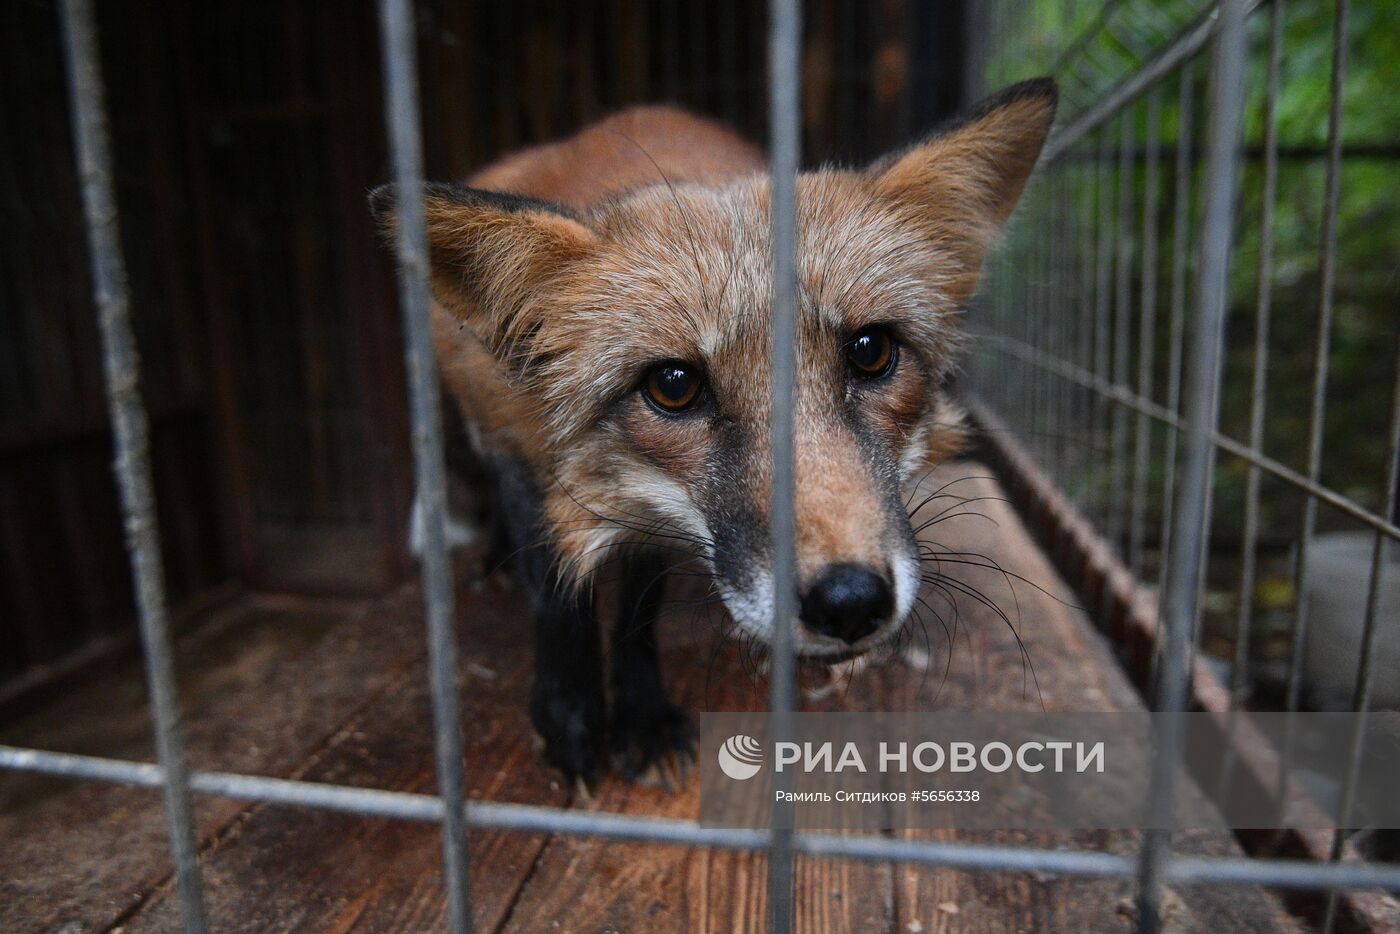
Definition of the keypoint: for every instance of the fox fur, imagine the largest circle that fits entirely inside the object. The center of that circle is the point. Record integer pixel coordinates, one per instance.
(564, 273)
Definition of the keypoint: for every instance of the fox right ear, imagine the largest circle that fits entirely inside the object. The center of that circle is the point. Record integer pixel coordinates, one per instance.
(960, 185)
(490, 253)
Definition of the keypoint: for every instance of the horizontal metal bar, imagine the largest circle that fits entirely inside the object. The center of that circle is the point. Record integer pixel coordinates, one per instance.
(965, 855)
(1302, 875)
(375, 802)
(1126, 397)
(1187, 44)
(1292, 874)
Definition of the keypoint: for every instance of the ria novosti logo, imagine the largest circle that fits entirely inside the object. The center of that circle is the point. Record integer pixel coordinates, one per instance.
(740, 757)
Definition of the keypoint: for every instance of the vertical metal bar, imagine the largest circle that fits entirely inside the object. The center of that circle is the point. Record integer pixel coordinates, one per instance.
(1323, 356)
(1203, 566)
(1033, 316)
(1181, 224)
(1122, 327)
(1057, 193)
(1361, 698)
(131, 434)
(1202, 409)
(1088, 250)
(1055, 233)
(1103, 273)
(1239, 673)
(784, 128)
(1147, 336)
(397, 35)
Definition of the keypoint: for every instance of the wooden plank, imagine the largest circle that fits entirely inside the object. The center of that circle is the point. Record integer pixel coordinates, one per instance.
(610, 886)
(288, 870)
(263, 684)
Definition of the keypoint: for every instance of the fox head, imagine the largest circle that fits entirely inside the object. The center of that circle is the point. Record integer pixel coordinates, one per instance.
(639, 335)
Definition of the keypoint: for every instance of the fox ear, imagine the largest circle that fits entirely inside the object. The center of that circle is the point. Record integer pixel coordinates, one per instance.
(960, 185)
(490, 254)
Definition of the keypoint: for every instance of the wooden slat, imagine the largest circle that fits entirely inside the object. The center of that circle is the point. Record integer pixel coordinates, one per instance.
(282, 870)
(609, 886)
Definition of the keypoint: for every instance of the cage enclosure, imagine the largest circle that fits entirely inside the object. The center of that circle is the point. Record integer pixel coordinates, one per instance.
(1182, 378)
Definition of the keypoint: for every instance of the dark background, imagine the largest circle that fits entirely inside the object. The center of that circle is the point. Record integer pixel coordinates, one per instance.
(246, 136)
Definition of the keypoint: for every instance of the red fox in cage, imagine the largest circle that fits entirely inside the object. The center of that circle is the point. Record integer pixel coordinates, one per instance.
(602, 320)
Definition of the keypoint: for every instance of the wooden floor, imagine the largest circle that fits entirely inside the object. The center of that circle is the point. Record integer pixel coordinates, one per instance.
(336, 692)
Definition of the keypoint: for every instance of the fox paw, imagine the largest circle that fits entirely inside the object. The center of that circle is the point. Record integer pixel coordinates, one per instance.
(569, 729)
(653, 743)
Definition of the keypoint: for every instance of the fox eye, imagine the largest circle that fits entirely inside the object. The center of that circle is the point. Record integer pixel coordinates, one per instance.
(672, 386)
(872, 353)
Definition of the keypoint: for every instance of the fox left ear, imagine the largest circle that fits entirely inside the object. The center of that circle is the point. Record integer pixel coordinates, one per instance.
(961, 185)
(490, 254)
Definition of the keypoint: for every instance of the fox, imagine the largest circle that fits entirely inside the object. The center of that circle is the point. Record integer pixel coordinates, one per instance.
(602, 321)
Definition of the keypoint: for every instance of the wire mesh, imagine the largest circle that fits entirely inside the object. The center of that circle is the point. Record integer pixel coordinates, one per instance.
(1217, 538)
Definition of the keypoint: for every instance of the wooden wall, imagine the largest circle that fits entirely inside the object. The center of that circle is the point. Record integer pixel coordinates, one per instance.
(63, 575)
(246, 136)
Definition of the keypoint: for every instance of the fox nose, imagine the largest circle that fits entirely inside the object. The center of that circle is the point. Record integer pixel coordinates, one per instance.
(848, 602)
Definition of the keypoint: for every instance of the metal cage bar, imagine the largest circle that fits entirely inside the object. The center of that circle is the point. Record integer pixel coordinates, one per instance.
(1176, 330)
(131, 434)
(1258, 390)
(1321, 367)
(1302, 875)
(1202, 407)
(398, 35)
(785, 33)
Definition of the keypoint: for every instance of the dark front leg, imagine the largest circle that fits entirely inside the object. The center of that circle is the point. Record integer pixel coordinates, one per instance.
(566, 699)
(647, 731)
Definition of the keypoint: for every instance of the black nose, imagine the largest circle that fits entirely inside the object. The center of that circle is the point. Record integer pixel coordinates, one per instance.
(848, 602)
